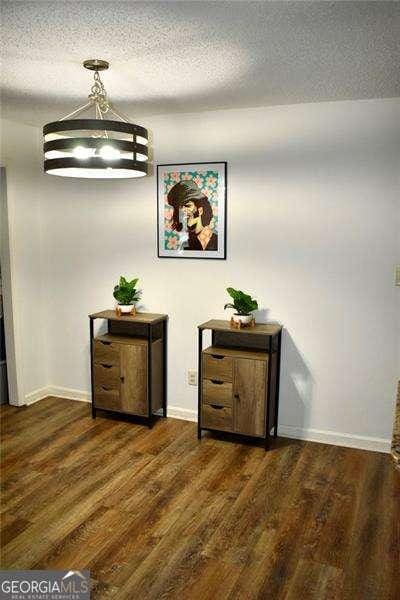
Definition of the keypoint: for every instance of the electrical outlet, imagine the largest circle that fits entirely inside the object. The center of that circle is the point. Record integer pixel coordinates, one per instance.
(397, 278)
(192, 377)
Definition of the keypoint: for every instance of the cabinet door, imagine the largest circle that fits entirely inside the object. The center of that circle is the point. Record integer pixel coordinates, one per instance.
(249, 396)
(134, 379)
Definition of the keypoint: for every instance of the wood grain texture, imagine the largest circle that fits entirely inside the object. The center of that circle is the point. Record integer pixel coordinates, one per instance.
(121, 339)
(105, 352)
(249, 396)
(107, 398)
(159, 515)
(237, 352)
(217, 393)
(106, 375)
(264, 328)
(134, 379)
(138, 318)
(216, 416)
(217, 366)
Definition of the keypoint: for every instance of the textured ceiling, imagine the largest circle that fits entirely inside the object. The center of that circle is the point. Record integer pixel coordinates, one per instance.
(196, 55)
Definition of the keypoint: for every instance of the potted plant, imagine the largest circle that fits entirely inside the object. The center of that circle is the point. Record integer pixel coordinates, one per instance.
(126, 295)
(243, 305)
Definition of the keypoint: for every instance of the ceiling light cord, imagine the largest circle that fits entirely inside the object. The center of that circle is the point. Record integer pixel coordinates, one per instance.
(98, 98)
(77, 111)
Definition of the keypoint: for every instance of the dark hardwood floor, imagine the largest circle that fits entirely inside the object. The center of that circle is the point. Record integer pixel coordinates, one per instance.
(157, 514)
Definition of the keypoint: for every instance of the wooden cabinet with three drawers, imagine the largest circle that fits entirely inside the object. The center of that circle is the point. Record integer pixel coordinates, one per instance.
(239, 380)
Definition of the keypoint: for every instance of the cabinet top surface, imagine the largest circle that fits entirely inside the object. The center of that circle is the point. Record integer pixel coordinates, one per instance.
(259, 328)
(237, 353)
(121, 339)
(140, 317)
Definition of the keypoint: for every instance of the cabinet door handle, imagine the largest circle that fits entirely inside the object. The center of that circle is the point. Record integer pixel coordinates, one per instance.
(105, 343)
(237, 396)
(217, 381)
(106, 389)
(122, 378)
(216, 406)
(217, 356)
(106, 366)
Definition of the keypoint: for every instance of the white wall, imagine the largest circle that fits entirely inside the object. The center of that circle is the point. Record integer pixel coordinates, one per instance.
(313, 233)
(21, 251)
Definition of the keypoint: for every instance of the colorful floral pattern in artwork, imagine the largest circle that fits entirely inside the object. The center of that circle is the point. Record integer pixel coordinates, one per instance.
(207, 181)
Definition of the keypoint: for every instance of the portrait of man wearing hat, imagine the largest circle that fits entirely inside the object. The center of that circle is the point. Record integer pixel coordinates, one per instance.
(186, 196)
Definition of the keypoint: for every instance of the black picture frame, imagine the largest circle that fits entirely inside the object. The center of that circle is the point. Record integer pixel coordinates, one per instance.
(221, 253)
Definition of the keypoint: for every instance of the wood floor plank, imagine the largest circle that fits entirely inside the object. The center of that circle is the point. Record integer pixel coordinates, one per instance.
(160, 515)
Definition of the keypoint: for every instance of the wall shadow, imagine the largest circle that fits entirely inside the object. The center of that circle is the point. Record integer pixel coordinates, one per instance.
(296, 387)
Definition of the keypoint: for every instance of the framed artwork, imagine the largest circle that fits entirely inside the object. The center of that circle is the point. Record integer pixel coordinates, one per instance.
(191, 199)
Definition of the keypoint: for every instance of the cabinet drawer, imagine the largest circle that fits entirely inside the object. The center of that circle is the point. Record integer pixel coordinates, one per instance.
(217, 417)
(105, 352)
(216, 366)
(106, 375)
(217, 392)
(107, 398)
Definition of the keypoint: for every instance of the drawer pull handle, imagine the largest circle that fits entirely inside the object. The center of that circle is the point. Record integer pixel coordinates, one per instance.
(106, 366)
(216, 406)
(217, 381)
(106, 389)
(105, 343)
(217, 356)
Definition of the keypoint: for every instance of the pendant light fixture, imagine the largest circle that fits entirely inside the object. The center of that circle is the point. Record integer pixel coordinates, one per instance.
(95, 147)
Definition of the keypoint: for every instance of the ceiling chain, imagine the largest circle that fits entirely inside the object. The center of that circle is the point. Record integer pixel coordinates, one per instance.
(98, 94)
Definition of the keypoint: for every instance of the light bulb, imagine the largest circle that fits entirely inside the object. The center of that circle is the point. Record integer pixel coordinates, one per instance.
(108, 152)
(82, 152)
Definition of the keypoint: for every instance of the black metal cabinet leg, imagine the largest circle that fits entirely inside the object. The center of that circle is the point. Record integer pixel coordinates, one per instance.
(91, 366)
(278, 378)
(269, 399)
(165, 366)
(199, 383)
(149, 376)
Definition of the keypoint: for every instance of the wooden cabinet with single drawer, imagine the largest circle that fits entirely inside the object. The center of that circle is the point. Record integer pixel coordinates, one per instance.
(105, 352)
(128, 370)
(107, 375)
(214, 416)
(107, 398)
(217, 366)
(239, 385)
(217, 392)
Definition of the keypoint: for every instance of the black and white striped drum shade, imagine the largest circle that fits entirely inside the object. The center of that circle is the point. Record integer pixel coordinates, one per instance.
(96, 148)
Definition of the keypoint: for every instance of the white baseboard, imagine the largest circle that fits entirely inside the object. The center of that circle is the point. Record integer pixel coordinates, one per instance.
(312, 435)
(68, 393)
(348, 440)
(185, 414)
(36, 396)
(55, 390)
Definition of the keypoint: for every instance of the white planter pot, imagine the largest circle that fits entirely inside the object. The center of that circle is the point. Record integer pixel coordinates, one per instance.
(244, 319)
(125, 308)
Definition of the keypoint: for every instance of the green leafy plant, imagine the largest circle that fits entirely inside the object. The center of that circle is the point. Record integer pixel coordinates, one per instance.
(242, 303)
(125, 292)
